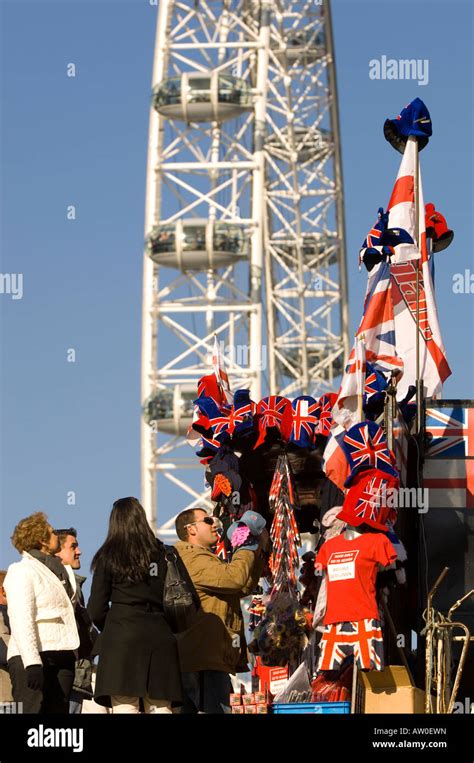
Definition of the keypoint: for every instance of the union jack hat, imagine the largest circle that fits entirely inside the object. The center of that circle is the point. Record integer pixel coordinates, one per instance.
(381, 240)
(368, 500)
(437, 228)
(326, 403)
(414, 119)
(213, 421)
(274, 412)
(208, 386)
(241, 413)
(365, 447)
(306, 412)
(224, 474)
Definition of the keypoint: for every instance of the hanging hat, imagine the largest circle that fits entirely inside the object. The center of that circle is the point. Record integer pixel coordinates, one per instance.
(374, 391)
(375, 381)
(372, 256)
(224, 473)
(366, 447)
(415, 120)
(245, 533)
(241, 413)
(381, 241)
(213, 421)
(274, 412)
(305, 421)
(208, 386)
(367, 500)
(209, 448)
(326, 403)
(437, 229)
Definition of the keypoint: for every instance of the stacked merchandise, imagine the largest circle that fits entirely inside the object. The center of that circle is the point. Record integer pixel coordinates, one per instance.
(253, 703)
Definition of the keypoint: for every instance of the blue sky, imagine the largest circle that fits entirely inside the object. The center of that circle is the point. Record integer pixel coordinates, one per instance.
(82, 141)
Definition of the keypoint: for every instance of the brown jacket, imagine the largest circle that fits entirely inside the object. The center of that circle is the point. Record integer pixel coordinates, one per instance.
(216, 639)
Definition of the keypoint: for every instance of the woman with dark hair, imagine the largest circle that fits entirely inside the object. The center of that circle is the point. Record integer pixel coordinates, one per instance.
(138, 657)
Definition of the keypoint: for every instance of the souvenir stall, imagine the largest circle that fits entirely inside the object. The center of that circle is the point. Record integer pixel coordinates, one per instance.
(330, 469)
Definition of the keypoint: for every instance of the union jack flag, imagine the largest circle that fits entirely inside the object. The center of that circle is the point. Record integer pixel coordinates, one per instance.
(366, 448)
(220, 549)
(452, 429)
(361, 638)
(305, 420)
(335, 462)
(220, 372)
(449, 467)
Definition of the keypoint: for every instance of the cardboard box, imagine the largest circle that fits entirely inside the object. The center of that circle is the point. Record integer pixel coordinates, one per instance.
(235, 699)
(250, 709)
(388, 691)
(248, 699)
(262, 708)
(238, 709)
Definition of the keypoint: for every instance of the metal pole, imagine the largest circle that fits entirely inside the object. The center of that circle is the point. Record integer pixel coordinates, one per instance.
(416, 191)
(258, 204)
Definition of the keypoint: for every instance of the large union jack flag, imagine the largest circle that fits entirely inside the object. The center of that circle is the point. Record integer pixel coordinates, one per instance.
(452, 429)
(449, 467)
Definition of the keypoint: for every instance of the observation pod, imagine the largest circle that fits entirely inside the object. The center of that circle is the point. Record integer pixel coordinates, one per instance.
(170, 410)
(302, 45)
(310, 144)
(315, 248)
(320, 356)
(197, 244)
(197, 97)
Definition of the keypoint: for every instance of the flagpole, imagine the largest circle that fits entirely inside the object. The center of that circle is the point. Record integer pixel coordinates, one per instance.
(416, 193)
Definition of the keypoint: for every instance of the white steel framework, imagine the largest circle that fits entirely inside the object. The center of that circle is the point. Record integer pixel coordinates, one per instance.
(306, 280)
(238, 191)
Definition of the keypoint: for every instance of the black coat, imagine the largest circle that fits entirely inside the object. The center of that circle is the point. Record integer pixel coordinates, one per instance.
(137, 650)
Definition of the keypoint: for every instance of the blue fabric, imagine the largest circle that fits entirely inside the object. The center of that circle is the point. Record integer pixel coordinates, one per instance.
(415, 120)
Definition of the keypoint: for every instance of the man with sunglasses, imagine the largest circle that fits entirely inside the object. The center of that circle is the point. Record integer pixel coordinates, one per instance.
(214, 646)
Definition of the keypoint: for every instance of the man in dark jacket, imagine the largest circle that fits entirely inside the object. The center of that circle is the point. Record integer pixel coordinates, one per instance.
(214, 645)
(70, 555)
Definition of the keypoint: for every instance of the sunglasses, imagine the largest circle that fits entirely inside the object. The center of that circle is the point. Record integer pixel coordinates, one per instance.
(206, 520)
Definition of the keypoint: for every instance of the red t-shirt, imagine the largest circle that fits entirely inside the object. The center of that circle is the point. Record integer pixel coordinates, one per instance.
(351, 569)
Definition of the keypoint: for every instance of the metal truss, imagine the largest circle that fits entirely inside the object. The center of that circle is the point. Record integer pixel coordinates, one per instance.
(244, 161)
(306, 280)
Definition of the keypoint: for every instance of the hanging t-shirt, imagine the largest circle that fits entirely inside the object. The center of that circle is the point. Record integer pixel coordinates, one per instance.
(351, 570)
